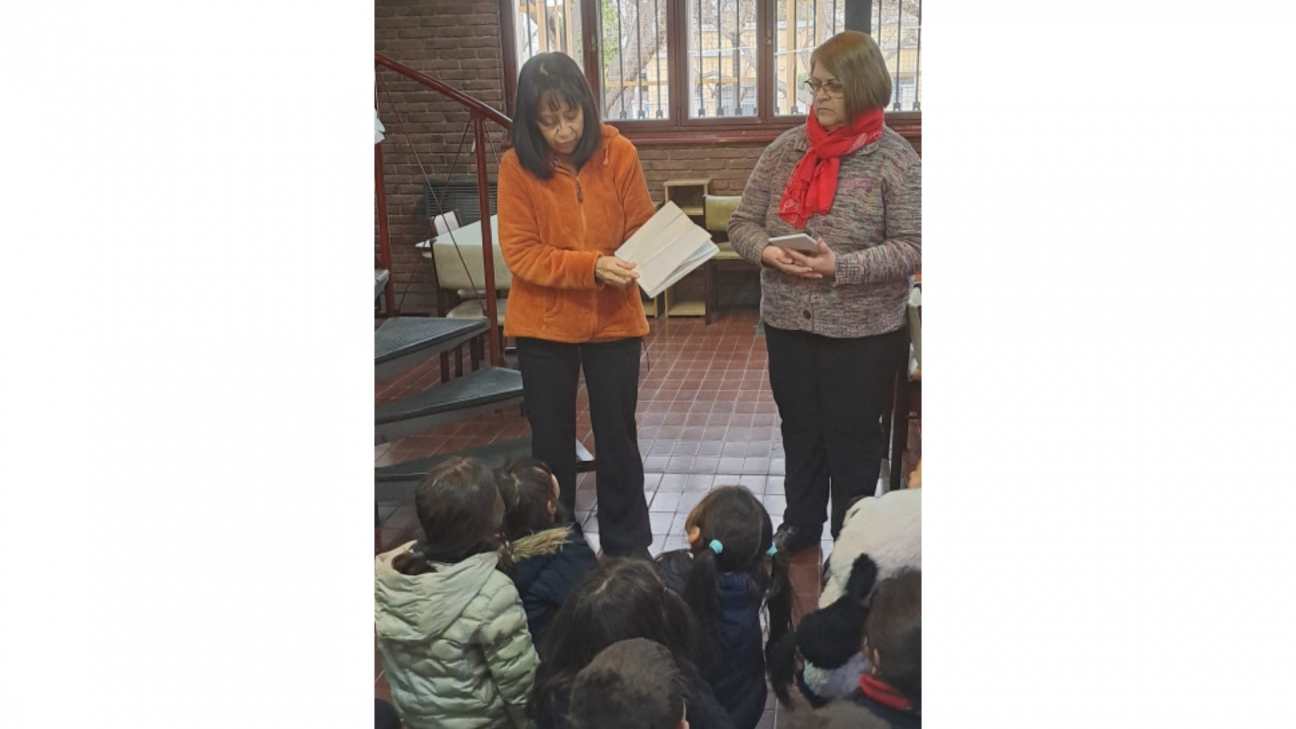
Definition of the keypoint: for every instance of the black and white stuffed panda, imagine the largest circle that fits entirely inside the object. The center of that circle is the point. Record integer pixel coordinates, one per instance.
(880, 536)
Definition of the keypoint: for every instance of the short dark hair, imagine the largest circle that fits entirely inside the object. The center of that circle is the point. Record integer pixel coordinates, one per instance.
(526, 485)
(620, 599)
(893, 628)
(632, 684)
(460, 511)
(545, 80)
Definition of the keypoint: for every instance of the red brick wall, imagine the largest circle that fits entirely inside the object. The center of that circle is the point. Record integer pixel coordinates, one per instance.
(454, 42)
(728, 166)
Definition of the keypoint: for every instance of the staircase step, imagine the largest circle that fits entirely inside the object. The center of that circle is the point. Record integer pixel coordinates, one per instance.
(405, 341)
(464, 397)
(397, 482)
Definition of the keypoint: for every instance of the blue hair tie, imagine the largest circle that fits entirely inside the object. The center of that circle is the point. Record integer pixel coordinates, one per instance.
(772, 550)
(716, 546)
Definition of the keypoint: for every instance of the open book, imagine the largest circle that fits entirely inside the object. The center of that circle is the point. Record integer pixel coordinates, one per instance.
(667, 248)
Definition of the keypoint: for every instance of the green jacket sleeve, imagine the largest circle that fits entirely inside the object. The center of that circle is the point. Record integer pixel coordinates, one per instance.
(510, 656)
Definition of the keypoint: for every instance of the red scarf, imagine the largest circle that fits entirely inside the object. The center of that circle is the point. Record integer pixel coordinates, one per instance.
(883, 693)
(813, 183)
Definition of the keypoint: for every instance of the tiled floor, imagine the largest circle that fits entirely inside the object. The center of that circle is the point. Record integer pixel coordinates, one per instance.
(706, 418)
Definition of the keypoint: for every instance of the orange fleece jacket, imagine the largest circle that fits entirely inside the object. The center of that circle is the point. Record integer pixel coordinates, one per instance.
(552, 232)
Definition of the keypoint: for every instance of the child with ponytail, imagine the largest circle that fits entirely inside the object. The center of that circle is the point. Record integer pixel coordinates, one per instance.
(729, 572)
(450, 626)
(546, 554)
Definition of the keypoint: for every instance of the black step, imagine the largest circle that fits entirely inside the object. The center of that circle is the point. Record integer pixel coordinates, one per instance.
(397, 482)
(405, 341)
(464, 397)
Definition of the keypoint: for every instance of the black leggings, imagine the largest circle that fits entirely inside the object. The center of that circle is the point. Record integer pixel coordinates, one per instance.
(550, 371)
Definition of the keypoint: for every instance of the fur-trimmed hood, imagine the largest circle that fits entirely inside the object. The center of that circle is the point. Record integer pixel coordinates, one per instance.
(542, 543)
(545, 566)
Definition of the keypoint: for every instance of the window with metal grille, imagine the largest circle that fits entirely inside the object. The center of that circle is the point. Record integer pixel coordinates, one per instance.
(894, 25)
(542, 26)
(700, 63)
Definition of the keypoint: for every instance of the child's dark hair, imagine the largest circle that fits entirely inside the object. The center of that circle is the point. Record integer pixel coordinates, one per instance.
(738, 521)
(620, 599)
(893, 628)
(633, 684)
(460, 511)
(526, 486)
(545, 80)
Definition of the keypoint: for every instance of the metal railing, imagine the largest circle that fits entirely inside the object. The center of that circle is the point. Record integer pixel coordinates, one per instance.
(478, 115)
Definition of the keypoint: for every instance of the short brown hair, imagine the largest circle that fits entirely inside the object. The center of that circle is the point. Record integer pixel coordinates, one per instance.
(631, 683)
(460, 511)
(893, 628)
(857, 63)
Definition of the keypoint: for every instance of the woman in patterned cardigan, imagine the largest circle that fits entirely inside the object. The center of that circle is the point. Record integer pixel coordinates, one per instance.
(833, 320)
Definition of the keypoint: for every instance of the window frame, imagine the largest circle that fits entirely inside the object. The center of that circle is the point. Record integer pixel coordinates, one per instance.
(679, 129)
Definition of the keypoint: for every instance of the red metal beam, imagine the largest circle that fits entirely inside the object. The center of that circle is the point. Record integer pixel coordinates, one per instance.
(488, 247)
(465, 100)
(478, 114)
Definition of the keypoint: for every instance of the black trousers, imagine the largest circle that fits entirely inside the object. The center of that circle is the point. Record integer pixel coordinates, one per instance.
(550, 371)
(830, 394)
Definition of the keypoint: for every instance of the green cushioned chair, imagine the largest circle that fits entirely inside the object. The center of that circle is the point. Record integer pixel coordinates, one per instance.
(716, 211)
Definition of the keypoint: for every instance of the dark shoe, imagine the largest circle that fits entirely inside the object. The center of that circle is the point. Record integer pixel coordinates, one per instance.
(791, 540)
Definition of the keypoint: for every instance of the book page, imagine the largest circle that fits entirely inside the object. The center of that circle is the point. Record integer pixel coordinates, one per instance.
(704, 254)
(666, 248)
(645, 241)
(655, 272)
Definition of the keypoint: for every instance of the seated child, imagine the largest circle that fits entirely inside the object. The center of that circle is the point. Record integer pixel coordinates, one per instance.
(450, 626)
(620, 599)
(892, 689)
(632, 684)
(546, 555)
(723, 578)
(878, 619)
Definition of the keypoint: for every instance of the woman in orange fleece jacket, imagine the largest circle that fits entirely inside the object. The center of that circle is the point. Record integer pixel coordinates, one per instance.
(571, 191)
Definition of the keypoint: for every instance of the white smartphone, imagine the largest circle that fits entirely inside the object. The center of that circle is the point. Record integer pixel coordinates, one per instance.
(799, 242)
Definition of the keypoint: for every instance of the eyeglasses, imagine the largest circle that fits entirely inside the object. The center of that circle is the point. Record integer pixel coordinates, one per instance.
(834, 88)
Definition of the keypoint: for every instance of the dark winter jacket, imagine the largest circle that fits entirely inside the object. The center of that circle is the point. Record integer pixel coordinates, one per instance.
(737, 675)
(545, 566)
